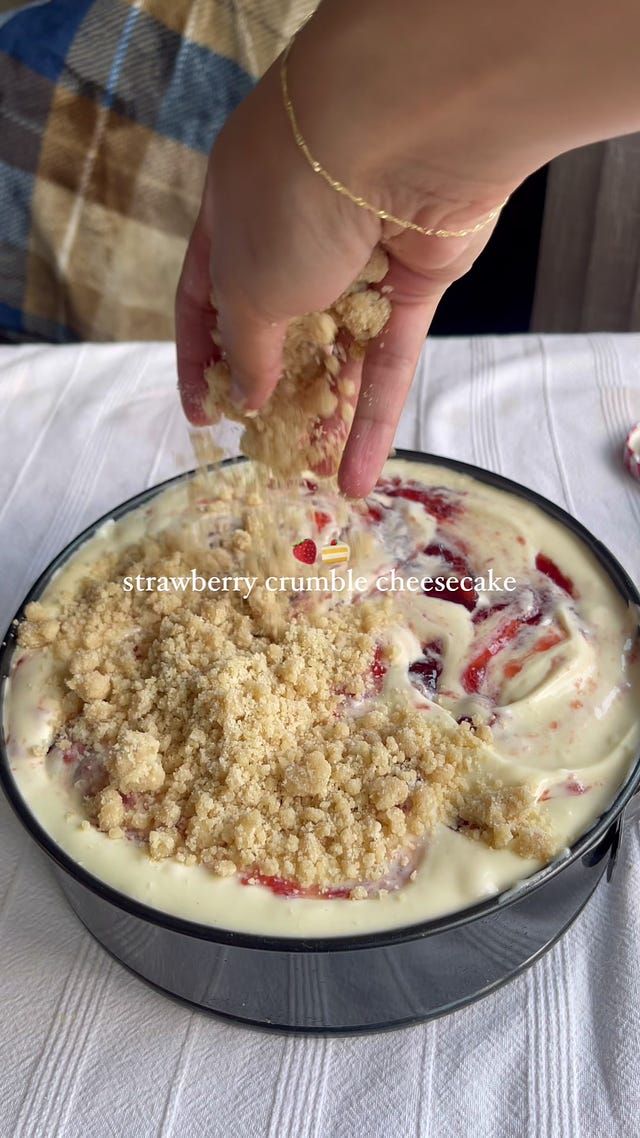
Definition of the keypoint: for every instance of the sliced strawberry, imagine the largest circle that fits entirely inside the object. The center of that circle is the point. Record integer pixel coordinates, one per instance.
(321, 519)
(474, 674)
(456, 592)
(305, 551)
(548, 640)
(310, 486)
(545, 565)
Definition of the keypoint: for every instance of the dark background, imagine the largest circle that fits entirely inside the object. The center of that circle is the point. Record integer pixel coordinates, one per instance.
(497, 294)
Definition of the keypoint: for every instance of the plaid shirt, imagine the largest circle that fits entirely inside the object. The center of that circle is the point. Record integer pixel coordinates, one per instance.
(108, 109)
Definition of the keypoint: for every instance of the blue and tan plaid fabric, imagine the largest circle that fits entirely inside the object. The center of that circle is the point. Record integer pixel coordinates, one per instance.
(107, 111)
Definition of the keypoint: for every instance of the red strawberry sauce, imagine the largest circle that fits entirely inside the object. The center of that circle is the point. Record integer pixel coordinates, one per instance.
(545, 565)
(285, 888)
(425, 672)
(437, 501)
(378, 668)
(474, 673)
(445, 505)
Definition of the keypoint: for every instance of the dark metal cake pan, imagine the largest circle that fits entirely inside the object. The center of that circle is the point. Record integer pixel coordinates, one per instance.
(345, 984)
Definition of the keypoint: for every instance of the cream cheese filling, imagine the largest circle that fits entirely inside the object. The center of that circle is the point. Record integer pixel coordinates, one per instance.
(565, 719)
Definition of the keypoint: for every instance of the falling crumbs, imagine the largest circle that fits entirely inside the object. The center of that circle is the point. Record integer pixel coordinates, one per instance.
(251, 733)
(304, 424)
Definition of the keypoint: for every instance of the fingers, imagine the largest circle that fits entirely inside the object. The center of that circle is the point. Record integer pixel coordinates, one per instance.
(336, 428)
(253, 346)
(389, 368)
(420, 273)
(195, 318)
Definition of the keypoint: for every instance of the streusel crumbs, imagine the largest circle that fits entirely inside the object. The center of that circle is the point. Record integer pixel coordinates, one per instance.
(248, 733)
(305, 422)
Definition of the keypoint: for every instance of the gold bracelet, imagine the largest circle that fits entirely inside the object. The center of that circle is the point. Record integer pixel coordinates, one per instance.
(382, 214)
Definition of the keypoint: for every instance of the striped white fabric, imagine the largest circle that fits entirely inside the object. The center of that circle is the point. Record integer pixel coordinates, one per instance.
(87, 1050)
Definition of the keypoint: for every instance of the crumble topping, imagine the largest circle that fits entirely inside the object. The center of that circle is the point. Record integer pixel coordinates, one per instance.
(304, 423)
(249, 733)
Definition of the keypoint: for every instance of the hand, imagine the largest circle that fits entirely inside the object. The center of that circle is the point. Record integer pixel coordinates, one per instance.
(435, 131)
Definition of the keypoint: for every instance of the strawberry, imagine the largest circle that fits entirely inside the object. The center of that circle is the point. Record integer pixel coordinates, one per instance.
(567, 789)
(378, 668)
(282, 887)
(457, 593)
(305, 551)
(321, 519)
(426, 671)
(545, 565)
(548, 640)
(474, 673)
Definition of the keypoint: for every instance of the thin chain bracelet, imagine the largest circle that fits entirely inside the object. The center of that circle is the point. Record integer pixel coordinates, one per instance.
(382, 214)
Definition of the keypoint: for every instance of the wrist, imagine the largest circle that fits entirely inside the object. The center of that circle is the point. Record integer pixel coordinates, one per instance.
(457, 100)
(393, 126)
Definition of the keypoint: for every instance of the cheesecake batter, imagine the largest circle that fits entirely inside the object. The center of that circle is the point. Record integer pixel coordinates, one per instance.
(495, 617)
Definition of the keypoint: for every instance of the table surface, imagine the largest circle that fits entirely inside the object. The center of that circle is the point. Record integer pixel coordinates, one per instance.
(87, 1049)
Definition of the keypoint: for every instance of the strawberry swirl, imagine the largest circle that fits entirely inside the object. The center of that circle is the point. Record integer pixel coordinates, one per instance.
(501, 618)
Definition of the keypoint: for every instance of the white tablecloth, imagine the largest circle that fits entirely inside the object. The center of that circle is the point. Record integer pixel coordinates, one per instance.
(85, 1049)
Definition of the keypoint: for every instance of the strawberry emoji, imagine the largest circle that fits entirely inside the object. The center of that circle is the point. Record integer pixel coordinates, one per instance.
(305, 551)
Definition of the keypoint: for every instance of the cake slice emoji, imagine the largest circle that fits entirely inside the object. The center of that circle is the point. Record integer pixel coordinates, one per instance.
(336, 554)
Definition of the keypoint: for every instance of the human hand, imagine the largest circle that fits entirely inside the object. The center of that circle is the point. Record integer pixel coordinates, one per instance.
(425, 131)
